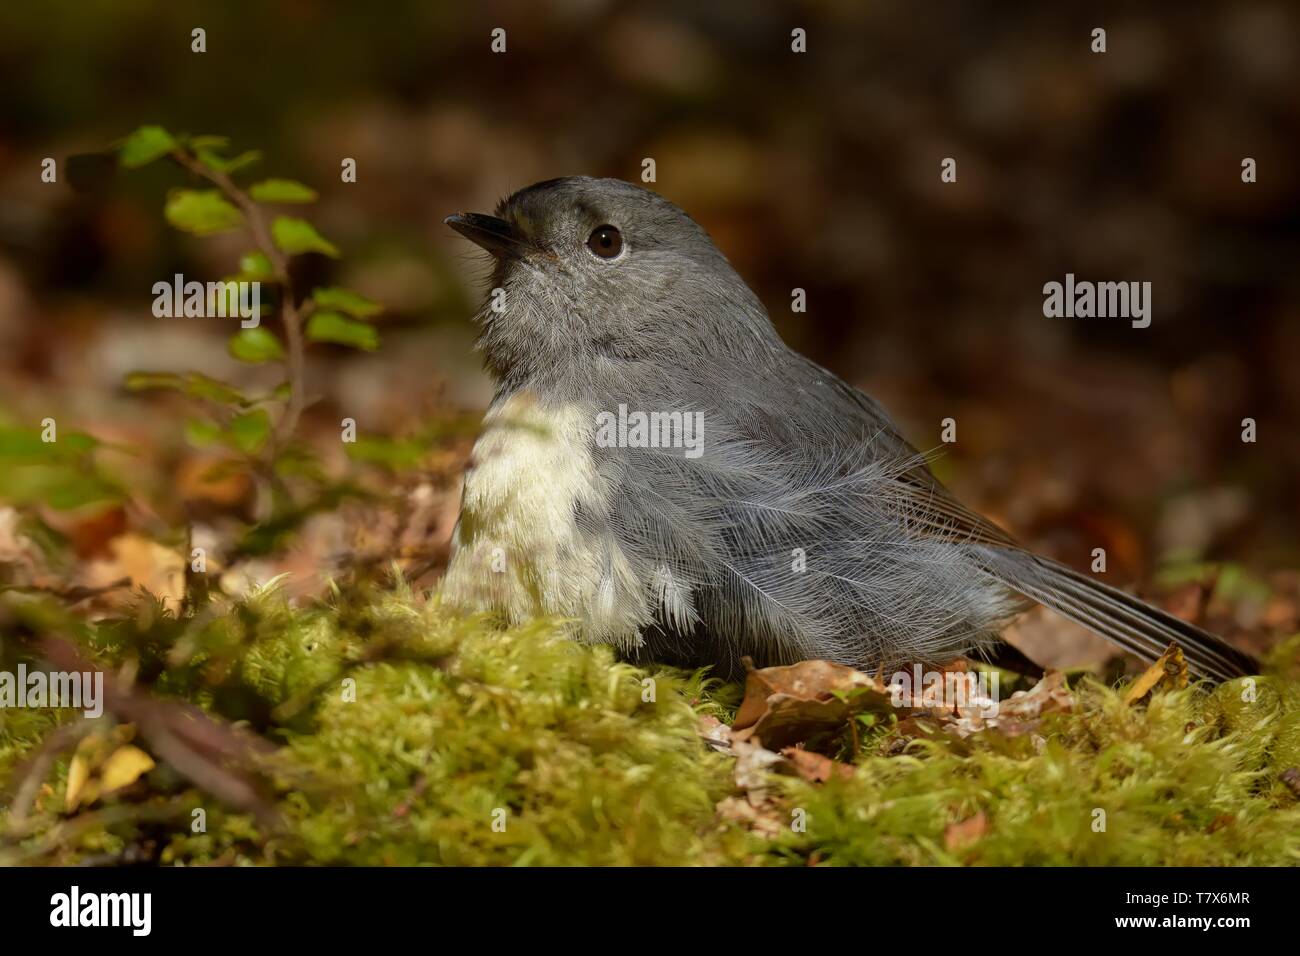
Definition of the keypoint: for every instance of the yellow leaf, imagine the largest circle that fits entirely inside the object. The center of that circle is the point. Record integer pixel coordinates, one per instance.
(1171, 667)
(78, 774)
(126, 765)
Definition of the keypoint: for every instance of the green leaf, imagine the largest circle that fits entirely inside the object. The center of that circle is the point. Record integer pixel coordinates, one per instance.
(255, 266)
(337, 327)
(193, 384)
(345, 300)
(18, 445)
(214, 159)
(296, 236)
(201, 433)
(198, 385)
(299, 461)
(255, 346)
(78, 443)
(207, 142)
(395, 453)
(145, 145)
(64, 489)
(144, 381)
(247, 158)
(208, 149)
(281, 190)
(250, 430)
(202, 212)
(60, 474)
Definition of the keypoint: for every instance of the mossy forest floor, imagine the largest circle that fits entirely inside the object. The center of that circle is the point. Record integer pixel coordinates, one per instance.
(381, 729)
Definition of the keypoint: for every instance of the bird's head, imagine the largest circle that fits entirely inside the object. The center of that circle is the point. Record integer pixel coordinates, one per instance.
(589, 274)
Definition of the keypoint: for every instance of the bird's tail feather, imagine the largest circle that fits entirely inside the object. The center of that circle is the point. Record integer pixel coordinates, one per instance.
(1113, 614)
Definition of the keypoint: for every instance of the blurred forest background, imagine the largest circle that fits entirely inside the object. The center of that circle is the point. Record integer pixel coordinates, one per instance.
(818, 171)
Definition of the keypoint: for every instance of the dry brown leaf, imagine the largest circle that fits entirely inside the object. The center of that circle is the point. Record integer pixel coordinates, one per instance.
(960, 691)
(1049, 694)
(221, 482)
(1056, 642)
(757, 809)
(814, 767)
(715, 733)
(753, 761)
(959, 835)
(90, 530)
(1019, 714)
(150, 565)
(1170, 669)
(786, 705)
(762, 819)
(18, 551)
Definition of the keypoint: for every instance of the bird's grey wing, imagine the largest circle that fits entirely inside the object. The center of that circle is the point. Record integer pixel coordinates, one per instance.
(807, 528)
(933, 507)
(1109, 612)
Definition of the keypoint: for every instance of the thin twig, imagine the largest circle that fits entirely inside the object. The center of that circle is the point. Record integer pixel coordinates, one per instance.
(37, 767)
(66, 832)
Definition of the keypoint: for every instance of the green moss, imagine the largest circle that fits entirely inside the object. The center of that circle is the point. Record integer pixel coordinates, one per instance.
(551, 742)
(412, 735)
(1173, 783)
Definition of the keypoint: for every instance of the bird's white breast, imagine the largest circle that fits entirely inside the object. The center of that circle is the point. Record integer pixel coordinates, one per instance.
(518, 549)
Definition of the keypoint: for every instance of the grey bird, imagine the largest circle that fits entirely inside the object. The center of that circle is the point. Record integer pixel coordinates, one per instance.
(660, 470)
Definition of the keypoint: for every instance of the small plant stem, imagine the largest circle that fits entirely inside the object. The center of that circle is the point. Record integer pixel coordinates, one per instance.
(289, 312)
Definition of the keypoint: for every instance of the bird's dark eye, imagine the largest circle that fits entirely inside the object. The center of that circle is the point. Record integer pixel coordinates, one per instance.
(605, 241)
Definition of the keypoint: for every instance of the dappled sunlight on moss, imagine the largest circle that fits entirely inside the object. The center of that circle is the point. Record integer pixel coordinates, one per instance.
(1177, 782)
(411, 735)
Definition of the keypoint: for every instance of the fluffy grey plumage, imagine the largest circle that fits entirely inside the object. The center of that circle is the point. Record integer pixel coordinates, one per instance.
(807, 527)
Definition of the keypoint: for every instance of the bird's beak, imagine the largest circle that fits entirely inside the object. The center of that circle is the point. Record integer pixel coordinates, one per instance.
(495, 235)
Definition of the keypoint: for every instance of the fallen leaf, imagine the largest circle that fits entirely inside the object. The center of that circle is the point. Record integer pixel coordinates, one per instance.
(963, 834)
(814, 767)
(228, 762)
(218, 482)
(1171, 668)
(150, 565)
(762, 820)
(125, 766)
(715, 733)
(787, 705)
(753, 762)
(1056, 642)
(78, 775)
(17, 551)
(1020, 713)
(89, 530)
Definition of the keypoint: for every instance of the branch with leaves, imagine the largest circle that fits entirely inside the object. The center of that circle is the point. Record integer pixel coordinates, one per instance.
(327, 315)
